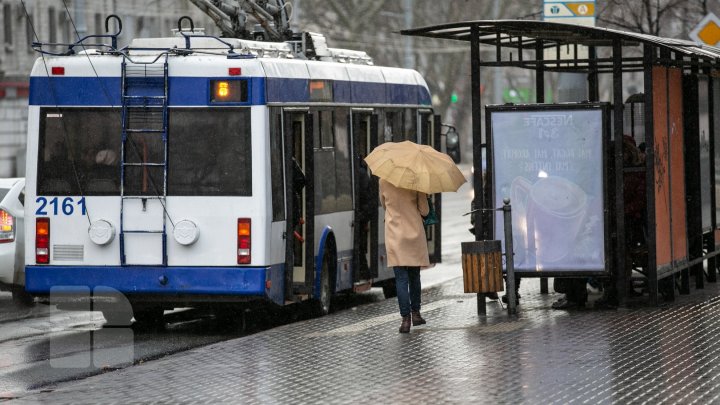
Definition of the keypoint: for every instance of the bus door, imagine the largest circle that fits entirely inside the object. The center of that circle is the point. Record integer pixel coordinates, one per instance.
(298, 157)
(365, 197)
(430, 127)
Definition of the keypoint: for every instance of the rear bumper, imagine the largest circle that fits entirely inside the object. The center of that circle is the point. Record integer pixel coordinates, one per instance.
(130, 280)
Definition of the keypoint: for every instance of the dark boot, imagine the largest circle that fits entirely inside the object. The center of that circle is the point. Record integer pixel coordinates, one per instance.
(405, 325)
(417, 319)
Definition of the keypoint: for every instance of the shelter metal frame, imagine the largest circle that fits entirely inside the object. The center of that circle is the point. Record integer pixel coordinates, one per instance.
(521, 37)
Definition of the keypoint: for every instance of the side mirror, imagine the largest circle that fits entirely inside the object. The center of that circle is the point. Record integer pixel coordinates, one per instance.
(452, 144)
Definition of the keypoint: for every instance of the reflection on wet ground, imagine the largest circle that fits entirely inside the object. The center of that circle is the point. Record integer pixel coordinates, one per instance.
(42, 346)
(666, 354)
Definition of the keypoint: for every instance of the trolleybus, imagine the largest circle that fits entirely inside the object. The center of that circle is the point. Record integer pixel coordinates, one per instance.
(163, 173)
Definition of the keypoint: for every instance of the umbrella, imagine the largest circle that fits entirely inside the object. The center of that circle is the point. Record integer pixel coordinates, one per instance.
(415, 167)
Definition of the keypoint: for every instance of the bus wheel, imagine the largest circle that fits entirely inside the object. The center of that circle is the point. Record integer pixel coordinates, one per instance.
(21, 298)
(322, 304)
(389, 289)
(149, 316)
(116, 316)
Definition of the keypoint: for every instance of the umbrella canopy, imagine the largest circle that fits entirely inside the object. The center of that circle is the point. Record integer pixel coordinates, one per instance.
(415, 167)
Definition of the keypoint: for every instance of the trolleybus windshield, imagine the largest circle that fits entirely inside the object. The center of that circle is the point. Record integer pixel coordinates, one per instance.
(209, 153)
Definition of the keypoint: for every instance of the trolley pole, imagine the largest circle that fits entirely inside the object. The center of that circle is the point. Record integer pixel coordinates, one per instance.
(509, 253)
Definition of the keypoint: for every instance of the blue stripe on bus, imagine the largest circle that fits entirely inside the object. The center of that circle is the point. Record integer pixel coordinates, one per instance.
(245, 281)
(74, 91)
(288, 90)
(341, 91)
(195, 91)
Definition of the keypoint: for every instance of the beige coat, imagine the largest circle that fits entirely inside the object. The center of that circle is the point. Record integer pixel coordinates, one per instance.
(405, 239)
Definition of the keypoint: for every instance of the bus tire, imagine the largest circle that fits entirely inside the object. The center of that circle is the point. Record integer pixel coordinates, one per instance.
(149, 316)
(116, 316)
(22, 299)
(322, 303)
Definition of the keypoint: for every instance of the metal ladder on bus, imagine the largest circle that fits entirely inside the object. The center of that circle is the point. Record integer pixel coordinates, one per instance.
(144, 112)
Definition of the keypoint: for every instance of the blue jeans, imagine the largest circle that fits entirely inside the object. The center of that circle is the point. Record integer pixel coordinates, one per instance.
(407, 282)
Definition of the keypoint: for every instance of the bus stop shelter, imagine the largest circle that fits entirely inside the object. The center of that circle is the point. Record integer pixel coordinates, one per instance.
(675, 114)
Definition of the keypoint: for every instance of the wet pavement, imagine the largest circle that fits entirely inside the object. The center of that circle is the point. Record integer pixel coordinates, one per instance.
(650, 355)
(642, 355)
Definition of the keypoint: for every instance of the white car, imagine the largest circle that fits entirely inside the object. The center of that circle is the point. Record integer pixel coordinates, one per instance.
(12, 234)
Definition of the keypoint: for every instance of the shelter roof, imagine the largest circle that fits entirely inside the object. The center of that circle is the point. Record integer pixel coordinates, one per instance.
(528, 33)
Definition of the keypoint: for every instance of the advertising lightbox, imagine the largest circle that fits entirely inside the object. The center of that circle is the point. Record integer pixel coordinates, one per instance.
(549, 160)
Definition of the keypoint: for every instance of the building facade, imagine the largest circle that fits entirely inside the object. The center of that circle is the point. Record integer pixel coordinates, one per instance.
(64, 21)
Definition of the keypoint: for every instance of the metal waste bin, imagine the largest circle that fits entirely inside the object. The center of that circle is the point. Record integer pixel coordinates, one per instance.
(482, 266)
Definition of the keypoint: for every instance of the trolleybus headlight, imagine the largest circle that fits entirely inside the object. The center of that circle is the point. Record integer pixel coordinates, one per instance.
(243, 246)
(7, 227)
(42, 240)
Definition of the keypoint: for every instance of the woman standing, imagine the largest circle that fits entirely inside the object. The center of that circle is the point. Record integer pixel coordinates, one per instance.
(406, 246)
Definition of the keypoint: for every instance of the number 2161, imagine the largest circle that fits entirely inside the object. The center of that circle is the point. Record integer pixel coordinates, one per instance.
(56, 206)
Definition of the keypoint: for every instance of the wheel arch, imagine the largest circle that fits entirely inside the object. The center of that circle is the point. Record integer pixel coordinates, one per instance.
(327, 245)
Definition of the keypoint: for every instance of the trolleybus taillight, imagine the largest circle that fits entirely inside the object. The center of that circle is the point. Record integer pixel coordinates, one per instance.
(7, 227)
(243, 245)
(42, 240)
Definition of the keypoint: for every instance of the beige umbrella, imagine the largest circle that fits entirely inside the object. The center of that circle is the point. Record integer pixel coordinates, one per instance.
(415, 167)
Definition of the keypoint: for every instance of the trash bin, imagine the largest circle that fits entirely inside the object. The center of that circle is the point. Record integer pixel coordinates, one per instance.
(482, 266)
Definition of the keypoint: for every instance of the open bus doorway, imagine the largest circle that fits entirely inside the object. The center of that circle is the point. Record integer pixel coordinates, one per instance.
(298, 154)
(365, 227)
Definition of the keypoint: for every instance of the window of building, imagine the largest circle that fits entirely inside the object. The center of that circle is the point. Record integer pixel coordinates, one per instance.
(29, 35)
(7, 22)
(99, 24)
(52, 27)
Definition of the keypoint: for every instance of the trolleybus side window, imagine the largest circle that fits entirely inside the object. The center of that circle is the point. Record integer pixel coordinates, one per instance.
(394, 126)
(210, 152)
(276, 167)
(79, 151)
(325, 198)
(410, 126)
(401, 125)
(343, 179)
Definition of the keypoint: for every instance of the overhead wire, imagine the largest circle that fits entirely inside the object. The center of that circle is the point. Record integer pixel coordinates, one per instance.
(59, 112)
(110, 102)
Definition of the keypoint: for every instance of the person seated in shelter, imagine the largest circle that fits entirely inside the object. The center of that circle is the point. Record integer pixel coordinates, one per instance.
(575, 290)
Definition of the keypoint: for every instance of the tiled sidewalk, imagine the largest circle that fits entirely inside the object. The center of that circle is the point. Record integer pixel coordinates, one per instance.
(646, 355)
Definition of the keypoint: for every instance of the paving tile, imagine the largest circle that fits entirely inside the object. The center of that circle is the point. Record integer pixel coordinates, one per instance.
(665, 355)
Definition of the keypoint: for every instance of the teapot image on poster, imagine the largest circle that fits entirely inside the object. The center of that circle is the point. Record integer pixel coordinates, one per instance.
(551, 213)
